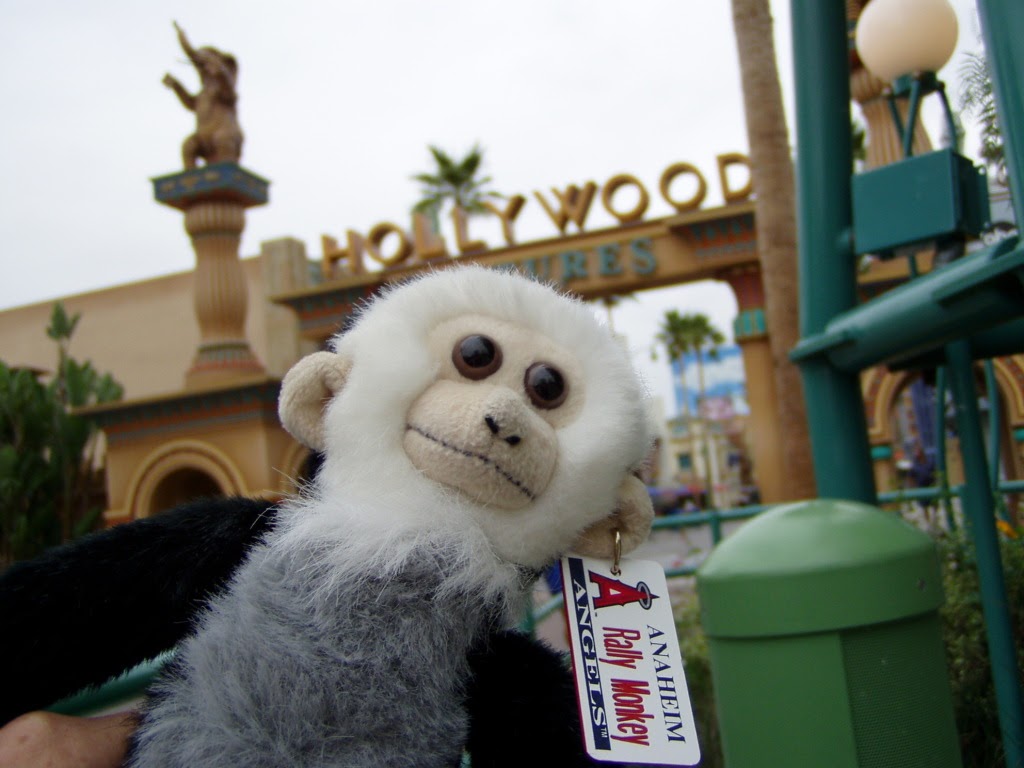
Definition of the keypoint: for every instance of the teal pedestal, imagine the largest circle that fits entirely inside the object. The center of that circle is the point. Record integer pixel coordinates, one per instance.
(218, 181)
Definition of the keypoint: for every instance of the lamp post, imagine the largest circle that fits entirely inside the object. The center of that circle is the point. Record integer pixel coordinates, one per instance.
(907, 42)
(904, 37)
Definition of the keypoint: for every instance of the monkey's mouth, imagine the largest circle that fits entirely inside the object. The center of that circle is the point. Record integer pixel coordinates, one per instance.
(487, 461)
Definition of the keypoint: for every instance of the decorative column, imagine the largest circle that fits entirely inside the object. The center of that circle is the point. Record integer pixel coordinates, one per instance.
(751, 334)
(214, 198)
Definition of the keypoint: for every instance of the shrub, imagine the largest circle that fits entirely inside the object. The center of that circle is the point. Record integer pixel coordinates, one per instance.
(970, 675)
(50, 480)
(694, 647)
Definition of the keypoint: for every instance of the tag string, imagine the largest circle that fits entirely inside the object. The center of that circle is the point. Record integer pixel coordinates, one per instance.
(616, 570)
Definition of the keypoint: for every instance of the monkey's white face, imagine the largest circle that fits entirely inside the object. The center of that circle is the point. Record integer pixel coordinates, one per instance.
(488, 426)
(478, 401)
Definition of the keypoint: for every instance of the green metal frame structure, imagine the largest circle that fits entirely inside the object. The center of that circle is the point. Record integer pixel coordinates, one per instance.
(954, 313)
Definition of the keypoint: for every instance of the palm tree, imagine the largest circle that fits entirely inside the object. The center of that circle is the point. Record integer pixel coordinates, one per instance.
(685, 334)
(977, 99)
(455, 181)
(692, 334)
(775, 212)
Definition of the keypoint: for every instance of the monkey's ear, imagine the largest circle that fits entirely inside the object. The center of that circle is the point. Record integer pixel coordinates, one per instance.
(632, 517)
(305, 392)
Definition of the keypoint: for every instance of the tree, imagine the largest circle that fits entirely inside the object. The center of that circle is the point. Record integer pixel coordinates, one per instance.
(858, 143)
(50, 482)
(977, 99)
(689, 334)
(775, 212)
(692, 334)
(455, 181)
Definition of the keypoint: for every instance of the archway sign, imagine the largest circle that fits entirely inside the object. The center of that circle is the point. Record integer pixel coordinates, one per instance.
(637, 254)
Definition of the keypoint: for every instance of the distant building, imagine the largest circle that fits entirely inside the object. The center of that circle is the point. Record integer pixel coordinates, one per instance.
(725, 384)
(706, 447)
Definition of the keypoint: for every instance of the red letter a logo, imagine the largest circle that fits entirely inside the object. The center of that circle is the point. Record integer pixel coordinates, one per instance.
(614, 592)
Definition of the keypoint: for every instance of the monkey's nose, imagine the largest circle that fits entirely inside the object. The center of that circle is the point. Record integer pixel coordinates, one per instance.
(495, 428)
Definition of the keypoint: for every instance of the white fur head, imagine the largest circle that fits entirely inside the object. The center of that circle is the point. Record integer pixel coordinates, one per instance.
(478, 399)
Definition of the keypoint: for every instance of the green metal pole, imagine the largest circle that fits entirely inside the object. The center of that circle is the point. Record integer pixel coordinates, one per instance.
(1000, 341)
(978, 509)
(828, 268)
(955, 140)
(1002, 25)
(994, 459)
(897, 120)
(941, 465)
(915, 105)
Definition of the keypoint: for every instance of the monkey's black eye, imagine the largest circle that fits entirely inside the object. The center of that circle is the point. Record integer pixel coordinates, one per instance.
(545, 385)
(476, 357)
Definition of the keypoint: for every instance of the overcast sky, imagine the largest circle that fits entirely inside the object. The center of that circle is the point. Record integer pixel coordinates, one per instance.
(338, 102)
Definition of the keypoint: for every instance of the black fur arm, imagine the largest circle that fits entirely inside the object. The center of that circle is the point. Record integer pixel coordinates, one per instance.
(522, 707)
(84, 612)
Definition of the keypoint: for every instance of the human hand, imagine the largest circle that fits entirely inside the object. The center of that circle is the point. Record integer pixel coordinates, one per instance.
(47, 740)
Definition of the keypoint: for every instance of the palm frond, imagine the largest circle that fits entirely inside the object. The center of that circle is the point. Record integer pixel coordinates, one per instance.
(471, 162)
(977, 100)
(446, 166)
(454, 181)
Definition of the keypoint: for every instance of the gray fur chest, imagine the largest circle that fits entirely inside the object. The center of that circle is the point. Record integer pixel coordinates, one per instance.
(294, 666)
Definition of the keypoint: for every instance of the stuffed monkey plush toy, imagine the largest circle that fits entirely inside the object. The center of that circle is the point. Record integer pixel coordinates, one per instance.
(475, 425)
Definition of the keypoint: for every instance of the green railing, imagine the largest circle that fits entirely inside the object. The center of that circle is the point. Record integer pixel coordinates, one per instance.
(943, 494)
(713, 518)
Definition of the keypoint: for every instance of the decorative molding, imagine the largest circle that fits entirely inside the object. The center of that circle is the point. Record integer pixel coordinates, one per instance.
(749, 324)
(725, 235)
(218, 181)
(323, 314)
(882, 452)
(188, 411)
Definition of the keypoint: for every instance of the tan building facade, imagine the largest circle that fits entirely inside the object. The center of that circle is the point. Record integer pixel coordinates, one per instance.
(145, 333)
(167, 443)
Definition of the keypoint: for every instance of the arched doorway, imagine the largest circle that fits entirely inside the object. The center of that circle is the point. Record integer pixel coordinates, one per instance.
(180, 471)
(181, 486)
(918, 436)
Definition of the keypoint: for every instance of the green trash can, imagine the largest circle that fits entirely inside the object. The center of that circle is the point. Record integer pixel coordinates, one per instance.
(826, 649)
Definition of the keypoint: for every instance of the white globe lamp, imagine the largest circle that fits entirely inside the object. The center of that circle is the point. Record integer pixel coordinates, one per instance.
(906, 37)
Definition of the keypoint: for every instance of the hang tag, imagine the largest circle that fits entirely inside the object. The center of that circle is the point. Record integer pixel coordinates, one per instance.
(630, 684)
